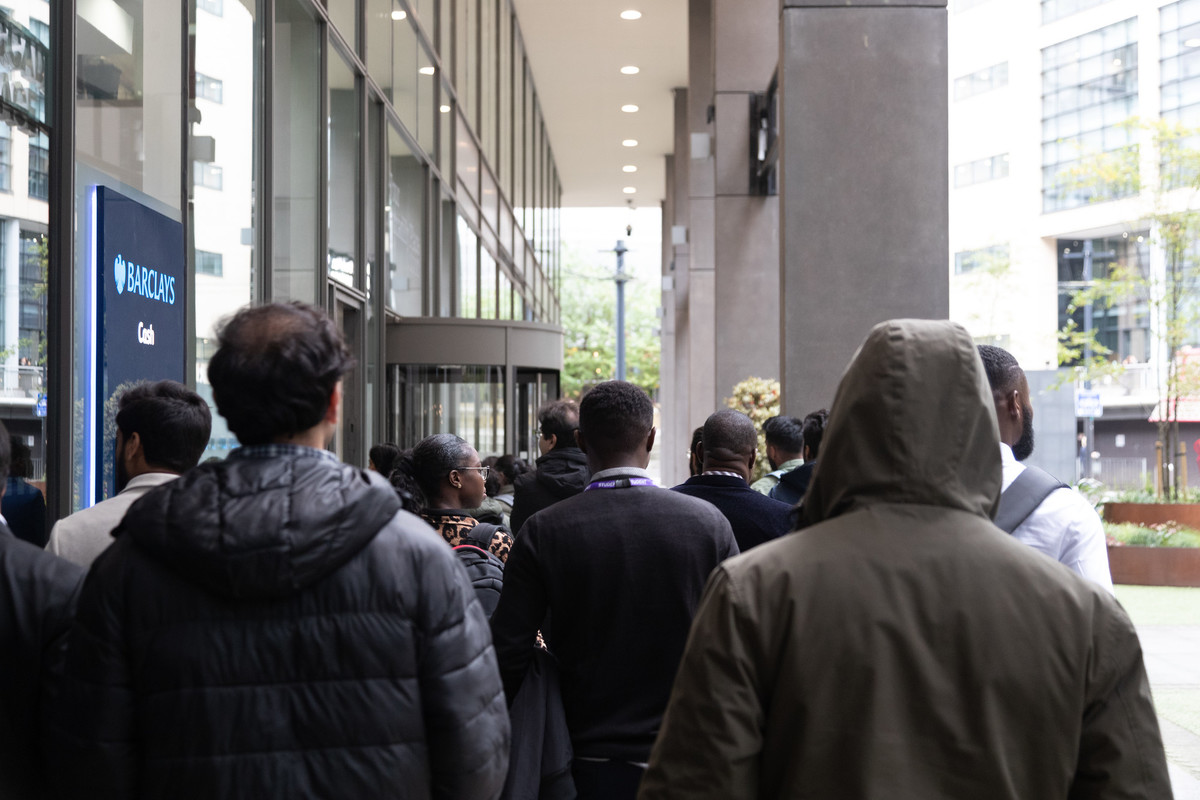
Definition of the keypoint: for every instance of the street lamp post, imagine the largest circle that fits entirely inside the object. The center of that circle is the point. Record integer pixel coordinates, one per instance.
(621, 278)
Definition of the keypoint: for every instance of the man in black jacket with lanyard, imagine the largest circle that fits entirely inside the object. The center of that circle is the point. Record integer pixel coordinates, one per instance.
(620, 569)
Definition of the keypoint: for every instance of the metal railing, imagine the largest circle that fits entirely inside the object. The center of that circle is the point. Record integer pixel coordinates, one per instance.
(21, 381)
(1120, 473)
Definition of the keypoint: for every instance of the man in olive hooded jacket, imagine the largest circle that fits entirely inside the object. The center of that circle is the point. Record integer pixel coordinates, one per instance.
(901, 645)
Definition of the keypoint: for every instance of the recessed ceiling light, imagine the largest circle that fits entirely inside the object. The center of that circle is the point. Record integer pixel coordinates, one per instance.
(427, 70)
(444, 109)
(629, 168)
(629, 142)
(399, 15)
(629, 189)
(631, 14)
(630, 70)
(1191, 42)
(629, 108)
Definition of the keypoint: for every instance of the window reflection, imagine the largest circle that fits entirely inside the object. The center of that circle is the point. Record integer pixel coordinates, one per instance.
(343, 178)
(222, 233)
(467, 401)
(404, 215)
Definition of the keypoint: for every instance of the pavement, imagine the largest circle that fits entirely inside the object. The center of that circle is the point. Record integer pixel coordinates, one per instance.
(1168, 624)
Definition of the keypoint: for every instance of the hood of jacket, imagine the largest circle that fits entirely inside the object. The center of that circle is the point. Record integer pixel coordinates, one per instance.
(252, 528)
(912, 422)
(563, 472)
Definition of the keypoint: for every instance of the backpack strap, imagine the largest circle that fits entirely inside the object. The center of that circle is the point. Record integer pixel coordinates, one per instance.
(481, 535)
(1023, 496)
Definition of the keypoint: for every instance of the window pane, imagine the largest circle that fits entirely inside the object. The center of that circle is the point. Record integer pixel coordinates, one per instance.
(222, 233)
(468, 271)
(344, 14)
(404, 72)
(343, 178)
(466, 401)
(487, 285)
(404, 226)
(380, 23)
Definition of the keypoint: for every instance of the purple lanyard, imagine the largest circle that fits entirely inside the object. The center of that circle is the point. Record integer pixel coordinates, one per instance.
(620, 483)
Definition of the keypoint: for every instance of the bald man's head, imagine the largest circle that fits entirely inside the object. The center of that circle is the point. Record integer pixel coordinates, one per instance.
(729, 442)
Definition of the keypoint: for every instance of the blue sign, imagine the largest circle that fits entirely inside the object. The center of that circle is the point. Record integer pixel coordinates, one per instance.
(40, 409)
(1087, 403)
(140, 312)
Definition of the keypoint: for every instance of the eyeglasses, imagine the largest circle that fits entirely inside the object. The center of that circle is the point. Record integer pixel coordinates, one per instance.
(483, 471)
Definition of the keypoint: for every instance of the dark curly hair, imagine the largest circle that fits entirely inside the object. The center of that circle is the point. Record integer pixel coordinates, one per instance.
(615, 417)
(509, 468)
(814, 431)
(275, 370)
(1003, 371)
(383, 456)
(786, 433)
(172, 422)
(420, 471)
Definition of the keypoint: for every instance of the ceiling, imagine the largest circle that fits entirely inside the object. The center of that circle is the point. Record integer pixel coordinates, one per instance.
(576, 49)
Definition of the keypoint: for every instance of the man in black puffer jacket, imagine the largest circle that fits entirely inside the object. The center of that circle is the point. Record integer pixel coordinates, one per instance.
(562, 470)
(274, 626)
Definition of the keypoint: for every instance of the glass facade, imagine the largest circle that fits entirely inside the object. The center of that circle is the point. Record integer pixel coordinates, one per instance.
(384, 159)
(1057, 9)
(1123, 327)
(463, 400)
(980, 81)
(984, 169)
(1089, 95)
(994, 257)
(1180, 53)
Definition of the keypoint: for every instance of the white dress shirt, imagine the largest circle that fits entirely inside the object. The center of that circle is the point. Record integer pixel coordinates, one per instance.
(1064, 527)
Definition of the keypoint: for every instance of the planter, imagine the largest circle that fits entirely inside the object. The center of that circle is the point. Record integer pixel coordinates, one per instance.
(1154, 566)
(1187, 514)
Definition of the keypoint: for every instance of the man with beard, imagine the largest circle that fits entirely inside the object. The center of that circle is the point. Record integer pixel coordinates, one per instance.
(1035, 507)
(162, 430)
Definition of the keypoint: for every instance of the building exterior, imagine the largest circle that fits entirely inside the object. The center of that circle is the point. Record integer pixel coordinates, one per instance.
(1038, 88)
(24, 191)
(385, 159)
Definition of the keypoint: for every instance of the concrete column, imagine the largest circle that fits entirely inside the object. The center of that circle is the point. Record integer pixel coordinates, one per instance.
(745, 224)
(676, 320)
(863, 180)
(701, 336)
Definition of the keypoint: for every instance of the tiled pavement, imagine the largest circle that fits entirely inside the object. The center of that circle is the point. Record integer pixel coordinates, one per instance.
(1168, 624)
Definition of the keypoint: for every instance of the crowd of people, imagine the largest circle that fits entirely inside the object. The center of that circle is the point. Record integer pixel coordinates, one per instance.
(851, 625)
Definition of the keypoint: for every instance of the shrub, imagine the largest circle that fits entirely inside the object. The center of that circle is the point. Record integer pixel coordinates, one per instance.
(1127, 534)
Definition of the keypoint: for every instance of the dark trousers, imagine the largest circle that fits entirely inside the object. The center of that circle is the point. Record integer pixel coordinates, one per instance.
(606, 780)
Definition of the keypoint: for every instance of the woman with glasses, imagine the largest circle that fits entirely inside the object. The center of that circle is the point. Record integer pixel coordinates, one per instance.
(444, 475)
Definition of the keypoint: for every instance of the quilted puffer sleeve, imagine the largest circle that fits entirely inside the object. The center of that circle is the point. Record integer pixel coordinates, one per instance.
(466, 719)
(92, 727)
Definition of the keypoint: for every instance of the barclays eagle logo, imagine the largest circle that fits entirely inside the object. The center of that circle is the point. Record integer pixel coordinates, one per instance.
(119, 273)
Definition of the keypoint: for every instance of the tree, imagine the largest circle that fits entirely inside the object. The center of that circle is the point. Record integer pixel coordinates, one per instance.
(1164, 174)
(589, 314)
